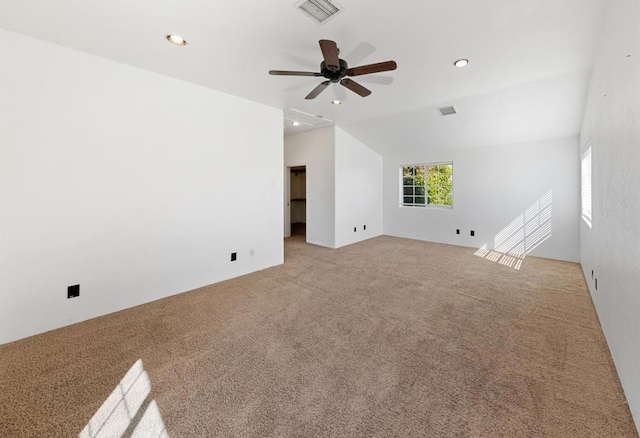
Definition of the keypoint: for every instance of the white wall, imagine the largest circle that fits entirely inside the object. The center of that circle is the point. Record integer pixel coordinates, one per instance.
(495, 189)
(315, 149)
(358, 190)
(343, 184)
(612, 247)
(134, 185)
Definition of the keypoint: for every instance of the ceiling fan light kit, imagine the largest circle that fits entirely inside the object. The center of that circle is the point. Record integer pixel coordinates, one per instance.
(337, 71)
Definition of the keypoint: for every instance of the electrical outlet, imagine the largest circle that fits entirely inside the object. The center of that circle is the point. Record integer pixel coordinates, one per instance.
(234, 256)
(596, 284)
(355, 229)
(592, 274)
(252, 252)
(73, 291)
(458, 231)
(473, 233)
(365, 228)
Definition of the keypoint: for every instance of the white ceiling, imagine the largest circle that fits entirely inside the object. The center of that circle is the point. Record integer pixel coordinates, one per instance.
(527, 78)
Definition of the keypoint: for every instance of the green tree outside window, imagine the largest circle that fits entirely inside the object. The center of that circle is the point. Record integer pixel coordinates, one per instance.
(427, 185)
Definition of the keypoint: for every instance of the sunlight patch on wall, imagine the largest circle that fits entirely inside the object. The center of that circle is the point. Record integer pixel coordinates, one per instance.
(125, 412)
(522, 235)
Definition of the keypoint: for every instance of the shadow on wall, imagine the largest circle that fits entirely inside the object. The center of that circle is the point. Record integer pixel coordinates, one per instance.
(524, 234)
(126, 412)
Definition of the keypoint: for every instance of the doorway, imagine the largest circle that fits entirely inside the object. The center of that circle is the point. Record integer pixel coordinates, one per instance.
(298, 201)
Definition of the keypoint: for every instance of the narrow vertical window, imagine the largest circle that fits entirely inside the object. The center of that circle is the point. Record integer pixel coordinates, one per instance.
(586, 184)
(413, 186)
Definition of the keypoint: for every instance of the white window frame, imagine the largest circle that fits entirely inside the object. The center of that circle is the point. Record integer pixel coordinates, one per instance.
(586, 183)
(426, 204)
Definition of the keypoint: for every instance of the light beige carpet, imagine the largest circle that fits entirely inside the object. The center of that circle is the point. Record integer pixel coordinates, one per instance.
(388, 337)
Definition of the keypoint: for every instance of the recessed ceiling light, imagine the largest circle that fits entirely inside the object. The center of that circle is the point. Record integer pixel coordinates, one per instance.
(295, 123)
(461, 62)
(336, 102)
(177, 40)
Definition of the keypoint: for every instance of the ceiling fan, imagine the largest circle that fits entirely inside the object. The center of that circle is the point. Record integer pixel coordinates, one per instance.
(336, 70)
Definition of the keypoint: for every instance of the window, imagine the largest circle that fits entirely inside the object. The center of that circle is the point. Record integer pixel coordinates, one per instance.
(586, 184)
(427, 184)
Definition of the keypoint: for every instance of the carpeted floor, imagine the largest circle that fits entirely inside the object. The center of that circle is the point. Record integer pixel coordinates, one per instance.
(388, 337)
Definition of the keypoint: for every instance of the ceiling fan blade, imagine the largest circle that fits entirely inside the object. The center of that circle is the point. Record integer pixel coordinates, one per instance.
(372, 68)
(376, 79)
(319, 89)
(330, 52)
(360, 53)
(355, 87)
(293, 73)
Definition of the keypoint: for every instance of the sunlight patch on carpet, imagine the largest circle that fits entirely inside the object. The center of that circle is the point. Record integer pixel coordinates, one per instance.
(125, 412)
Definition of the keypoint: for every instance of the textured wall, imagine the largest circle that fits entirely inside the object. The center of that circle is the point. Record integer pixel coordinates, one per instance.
(611, 247)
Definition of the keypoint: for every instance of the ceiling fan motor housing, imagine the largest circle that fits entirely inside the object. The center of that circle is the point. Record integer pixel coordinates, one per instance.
(332, 74)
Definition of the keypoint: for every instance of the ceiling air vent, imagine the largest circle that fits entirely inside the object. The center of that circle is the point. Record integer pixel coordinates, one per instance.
(447, 111)
(319, 10)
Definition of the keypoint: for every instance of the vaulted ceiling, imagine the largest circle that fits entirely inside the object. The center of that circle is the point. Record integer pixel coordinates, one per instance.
(526, 80)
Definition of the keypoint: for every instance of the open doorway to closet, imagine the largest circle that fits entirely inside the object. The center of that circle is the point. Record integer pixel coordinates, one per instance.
(297, 201)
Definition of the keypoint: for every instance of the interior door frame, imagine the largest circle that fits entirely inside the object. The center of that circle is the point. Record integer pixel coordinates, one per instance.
(287, 201)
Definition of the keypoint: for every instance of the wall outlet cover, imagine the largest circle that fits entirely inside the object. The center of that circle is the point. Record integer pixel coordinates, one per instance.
(73, 291)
